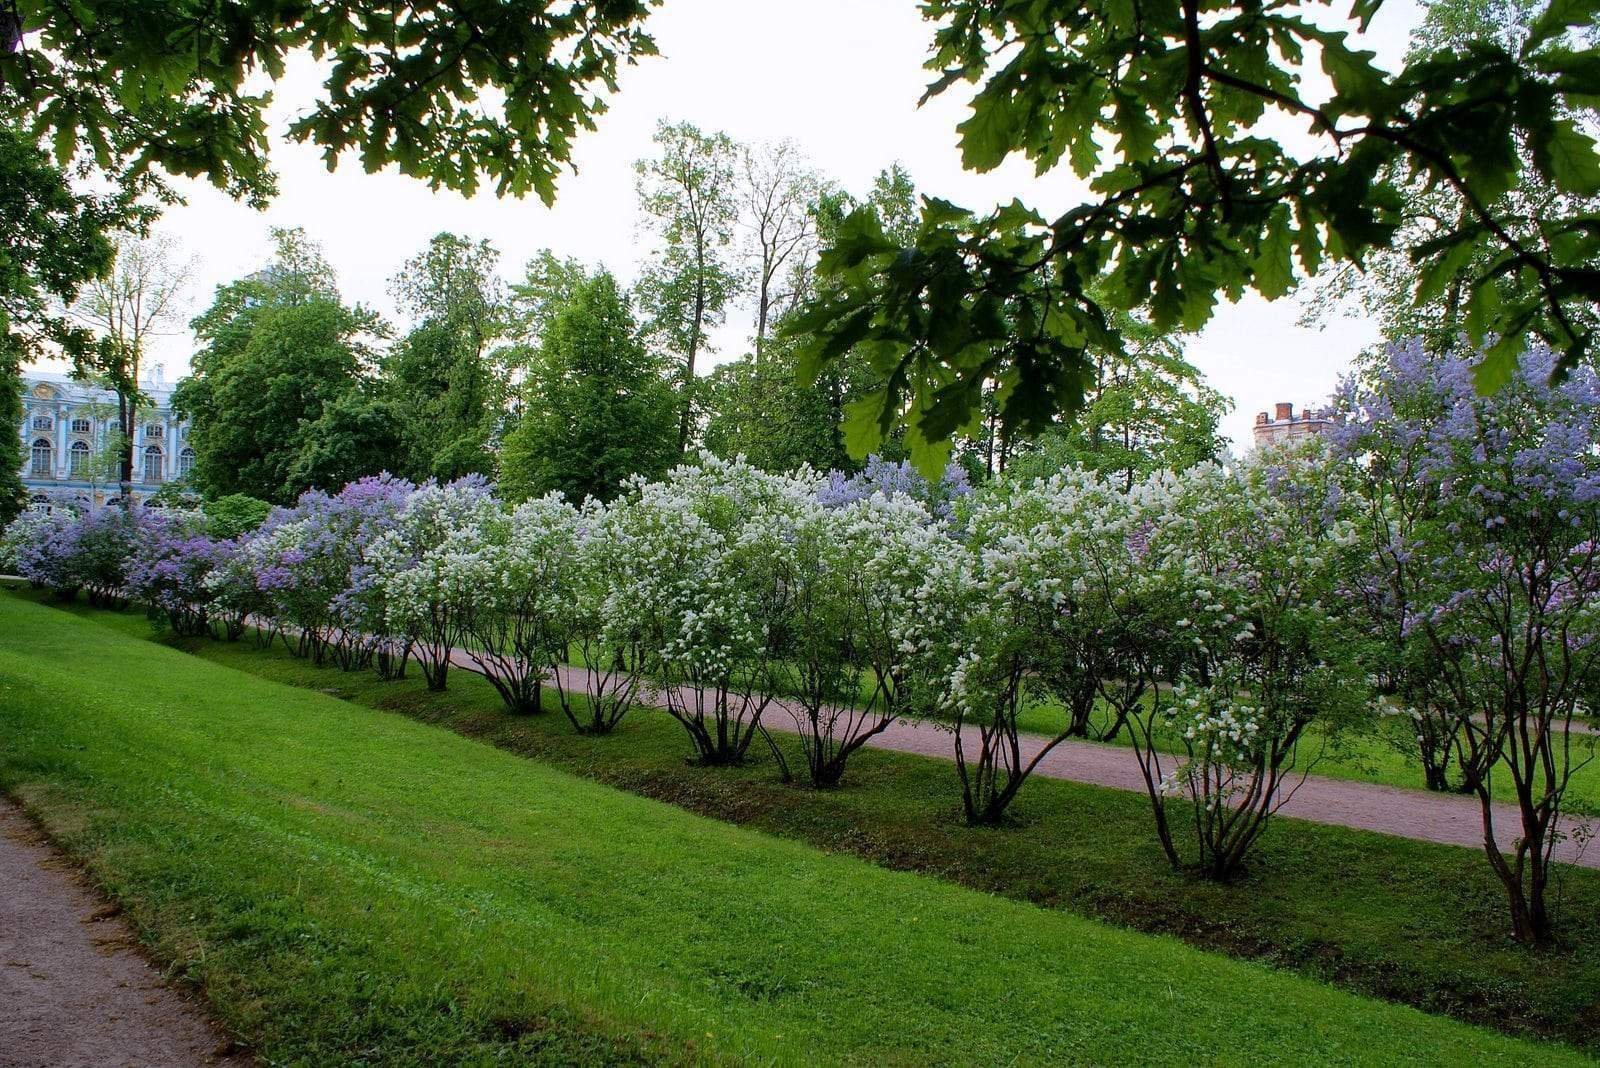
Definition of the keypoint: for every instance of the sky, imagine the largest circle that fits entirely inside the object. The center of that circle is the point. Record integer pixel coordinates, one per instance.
(840, 77)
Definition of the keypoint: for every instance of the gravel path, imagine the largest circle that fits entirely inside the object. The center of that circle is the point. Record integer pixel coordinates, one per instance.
(73, 989)
(1450, 819)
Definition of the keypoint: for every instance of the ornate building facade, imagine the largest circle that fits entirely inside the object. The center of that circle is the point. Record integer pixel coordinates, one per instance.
(65, 429)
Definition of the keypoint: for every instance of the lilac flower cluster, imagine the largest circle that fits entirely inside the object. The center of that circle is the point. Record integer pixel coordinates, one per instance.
(172, 569)
(310, 569)
(891, 478)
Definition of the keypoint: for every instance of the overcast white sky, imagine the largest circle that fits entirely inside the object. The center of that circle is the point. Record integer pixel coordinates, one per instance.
(840, 77)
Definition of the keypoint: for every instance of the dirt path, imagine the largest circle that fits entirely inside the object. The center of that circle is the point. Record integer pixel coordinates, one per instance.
(73, 989)
(1449, 819)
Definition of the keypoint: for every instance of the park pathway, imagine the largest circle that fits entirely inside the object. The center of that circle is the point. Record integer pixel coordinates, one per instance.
(1449, 819)
(73, 990)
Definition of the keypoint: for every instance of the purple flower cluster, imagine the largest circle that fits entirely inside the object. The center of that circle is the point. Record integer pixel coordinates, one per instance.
(47, 552)
(309, 561)
(889, 478)
(1484, 507)
(172, 571)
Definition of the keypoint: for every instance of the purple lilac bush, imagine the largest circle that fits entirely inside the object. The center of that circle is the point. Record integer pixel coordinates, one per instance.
(172, 571)
(1481, 575)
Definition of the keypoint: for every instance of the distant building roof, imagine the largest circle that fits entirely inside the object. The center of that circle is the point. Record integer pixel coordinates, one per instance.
(1283, 425)
(71, 389)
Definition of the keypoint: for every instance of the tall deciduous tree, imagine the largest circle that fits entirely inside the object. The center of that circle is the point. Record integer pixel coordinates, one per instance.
(531, 305)
(450, 91)
(688, 193)
(440, 378)
(599, 407)
(1146, 410)
(278, 349)
(549, 282)
(760, 409)
(1162, 107)
(777, 193)
(141, 296)
(359, 433)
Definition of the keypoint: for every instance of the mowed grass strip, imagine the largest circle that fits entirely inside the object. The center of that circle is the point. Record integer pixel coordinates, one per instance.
(348, 885)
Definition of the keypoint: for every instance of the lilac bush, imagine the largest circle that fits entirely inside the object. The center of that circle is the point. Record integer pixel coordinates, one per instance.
(43, 548)
(1482, 576)
(519, 614)
(171, 572)
(425, 592)
(700, 559)
(105, 541)
(1239, 573)
(313, 575)
(1036, 631)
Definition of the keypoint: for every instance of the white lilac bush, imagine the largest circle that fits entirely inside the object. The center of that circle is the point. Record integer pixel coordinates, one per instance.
(847, 637)
(1041, 625)
(424, 568)
(1248, 637)
(520, 584)
(700, 561)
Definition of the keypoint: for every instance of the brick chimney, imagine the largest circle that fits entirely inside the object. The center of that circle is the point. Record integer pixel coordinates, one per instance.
(1285, 411)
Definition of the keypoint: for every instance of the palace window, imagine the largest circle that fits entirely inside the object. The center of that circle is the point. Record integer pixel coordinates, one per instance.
(81, 425)
(185, 462)
(78, 459)
(152, 464)
(40, 503)
(154, 430)
(43, 422)
(40, 465)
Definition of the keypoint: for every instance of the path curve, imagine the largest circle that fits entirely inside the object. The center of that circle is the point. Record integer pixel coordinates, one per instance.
(73, 990)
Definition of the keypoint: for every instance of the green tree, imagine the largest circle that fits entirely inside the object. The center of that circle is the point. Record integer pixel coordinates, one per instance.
(1147, 410)
(689, 195)
(1163, 107)
(13, 497)
(235, 514)
(359, 433)
(449, 91)
(548, 283)
(52, 242)
(439, 377)
(277, 349)
(1384, 287)
(599, 406)
(760, 409)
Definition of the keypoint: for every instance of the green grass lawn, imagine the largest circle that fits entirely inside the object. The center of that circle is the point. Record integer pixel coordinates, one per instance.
(750, 940)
